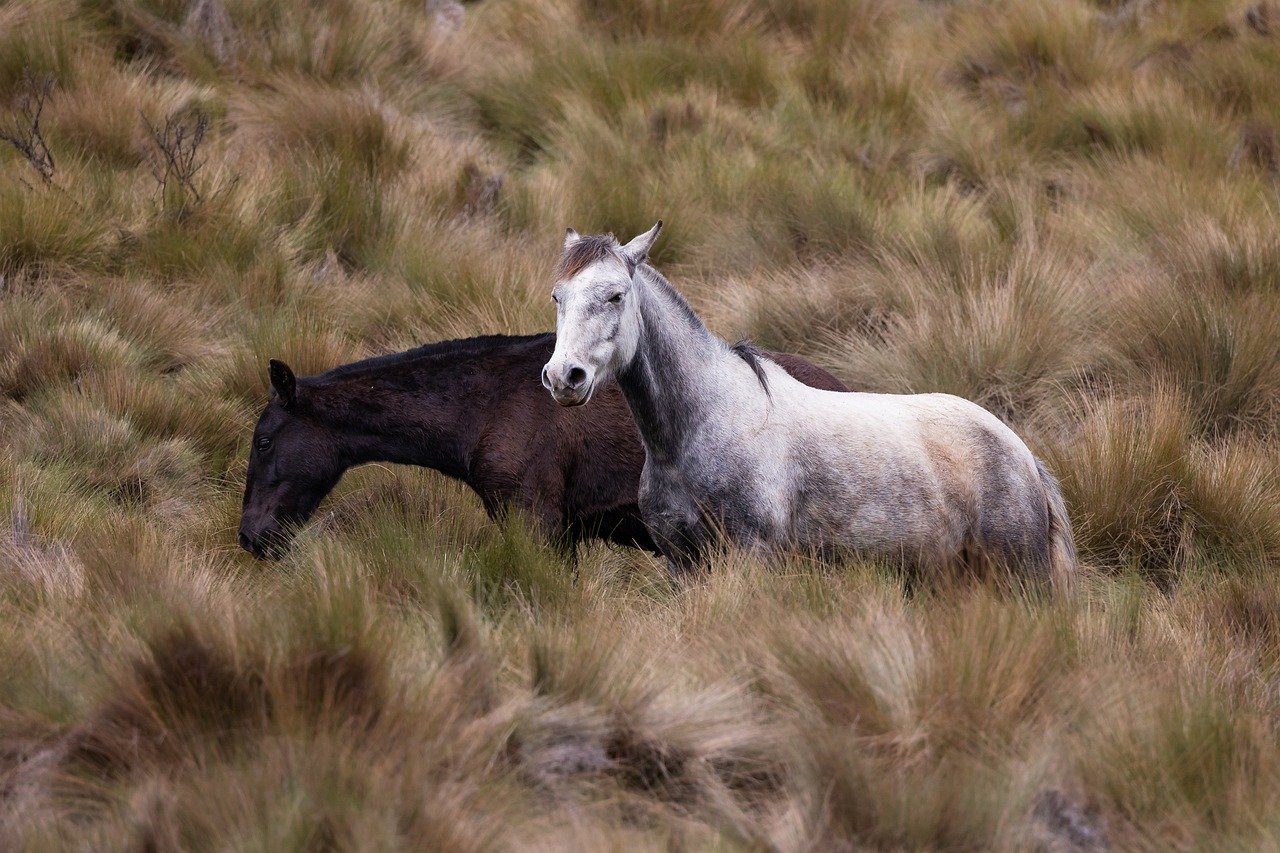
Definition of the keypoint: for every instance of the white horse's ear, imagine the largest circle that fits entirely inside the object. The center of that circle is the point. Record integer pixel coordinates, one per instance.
(570, 237)
(637, 251)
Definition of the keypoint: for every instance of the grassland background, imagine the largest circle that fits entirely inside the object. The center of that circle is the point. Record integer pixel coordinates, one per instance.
(1064, 210)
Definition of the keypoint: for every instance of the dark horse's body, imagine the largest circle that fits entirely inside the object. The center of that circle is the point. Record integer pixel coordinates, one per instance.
(473, 409)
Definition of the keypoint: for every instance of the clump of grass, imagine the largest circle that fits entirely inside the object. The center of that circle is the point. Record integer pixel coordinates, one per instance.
(308, 345)
(515, 567)
(45, 349)
(1218, 351)
(828, 26)
(38, 38)
(1149, 494)
(336, 41)
(1125, 466)
(817, 216)
(1106, 122)
(1234, 494)
(183, 247)
(1241, 613)
(523, 105)
(855, 800)
(337, 206)
(81, 119)
(597, 718)
(172, 336)
(305, 118)
(440, 278)
(1035, 43)
(1214, 255)
(678, 19)
(1169, 767)
(44, 228)
(106, 454)
(167, 408)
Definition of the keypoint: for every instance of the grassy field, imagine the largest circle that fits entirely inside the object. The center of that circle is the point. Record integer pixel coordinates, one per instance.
(1064, 210)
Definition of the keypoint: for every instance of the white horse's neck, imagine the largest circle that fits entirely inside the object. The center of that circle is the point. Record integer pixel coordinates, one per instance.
(678, 375)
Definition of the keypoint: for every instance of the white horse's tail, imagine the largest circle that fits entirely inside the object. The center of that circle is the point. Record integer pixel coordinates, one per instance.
(1062, 542)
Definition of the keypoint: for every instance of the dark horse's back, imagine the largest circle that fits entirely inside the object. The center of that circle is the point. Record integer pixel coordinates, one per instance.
(582, 464)
(807, 372)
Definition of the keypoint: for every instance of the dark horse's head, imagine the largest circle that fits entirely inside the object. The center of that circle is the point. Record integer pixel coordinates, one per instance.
(293, 463)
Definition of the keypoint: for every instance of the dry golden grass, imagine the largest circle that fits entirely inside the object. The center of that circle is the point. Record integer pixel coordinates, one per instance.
(1063, 210)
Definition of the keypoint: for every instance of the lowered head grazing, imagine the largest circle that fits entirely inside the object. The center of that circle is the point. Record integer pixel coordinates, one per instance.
(597, 318)
(293, 464)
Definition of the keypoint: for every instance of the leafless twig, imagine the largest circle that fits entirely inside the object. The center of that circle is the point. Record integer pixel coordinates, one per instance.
(25, 134)
(177, 146)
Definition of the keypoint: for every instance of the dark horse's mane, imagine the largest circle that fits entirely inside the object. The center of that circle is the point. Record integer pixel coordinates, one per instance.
(457, 347)
(745, 349)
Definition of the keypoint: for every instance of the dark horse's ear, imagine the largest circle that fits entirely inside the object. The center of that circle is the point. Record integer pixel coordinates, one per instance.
(283, 380)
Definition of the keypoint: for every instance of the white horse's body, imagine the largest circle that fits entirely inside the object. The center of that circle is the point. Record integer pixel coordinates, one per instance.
(910, 466)
(734, 444)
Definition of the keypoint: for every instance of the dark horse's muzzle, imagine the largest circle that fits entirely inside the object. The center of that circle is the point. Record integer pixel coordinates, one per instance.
(269, 544)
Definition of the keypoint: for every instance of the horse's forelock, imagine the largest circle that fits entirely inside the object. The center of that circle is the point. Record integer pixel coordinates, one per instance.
(583, 253)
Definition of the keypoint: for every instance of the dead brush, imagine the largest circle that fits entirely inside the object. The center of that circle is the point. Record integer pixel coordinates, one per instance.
(177, 158)
(26, 133)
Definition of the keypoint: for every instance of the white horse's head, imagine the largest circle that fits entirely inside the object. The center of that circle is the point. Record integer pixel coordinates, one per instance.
(597, 315)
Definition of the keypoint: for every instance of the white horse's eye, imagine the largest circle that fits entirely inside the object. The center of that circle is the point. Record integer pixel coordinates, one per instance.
(616, 298)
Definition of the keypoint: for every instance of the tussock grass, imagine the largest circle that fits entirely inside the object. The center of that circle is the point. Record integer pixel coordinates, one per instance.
(99, 119)
(1220, 352)
(39, 38)
(296, 114)
(45, 229)
(1065, 211)
(1153, 487)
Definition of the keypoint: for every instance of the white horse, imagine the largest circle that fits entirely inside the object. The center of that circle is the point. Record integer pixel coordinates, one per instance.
(736, 446)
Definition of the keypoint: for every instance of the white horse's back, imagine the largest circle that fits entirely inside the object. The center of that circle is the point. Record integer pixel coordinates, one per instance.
(931, 477)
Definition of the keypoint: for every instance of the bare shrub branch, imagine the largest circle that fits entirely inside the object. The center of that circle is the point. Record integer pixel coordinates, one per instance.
(177, 146)
(25, 134)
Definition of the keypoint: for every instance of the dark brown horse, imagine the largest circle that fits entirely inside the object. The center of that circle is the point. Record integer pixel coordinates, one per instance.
(473, 409)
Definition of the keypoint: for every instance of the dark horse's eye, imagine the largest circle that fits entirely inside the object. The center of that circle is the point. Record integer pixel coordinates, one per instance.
(263, 443)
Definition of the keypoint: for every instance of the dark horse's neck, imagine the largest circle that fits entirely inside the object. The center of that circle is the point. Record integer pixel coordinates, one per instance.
(420, 407)
(667, 383)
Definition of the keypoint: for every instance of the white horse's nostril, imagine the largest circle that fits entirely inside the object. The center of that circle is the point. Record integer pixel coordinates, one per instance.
(576, 376)
(546, 379)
